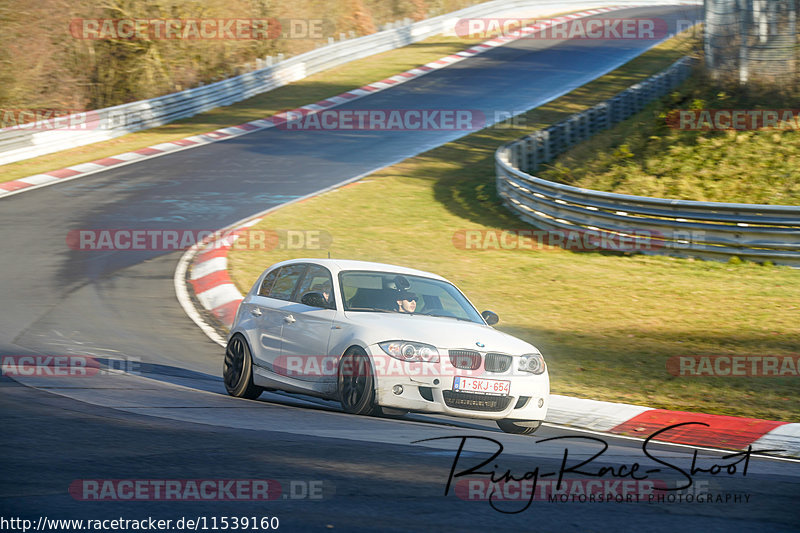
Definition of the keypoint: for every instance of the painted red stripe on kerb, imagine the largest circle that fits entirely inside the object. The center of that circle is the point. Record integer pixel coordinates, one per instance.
(14, 185)
(227, 312)
(107, 161)
(217, 251)
(406, 74)
(148, 151)
(210, 281)
(326, 103)
(63, 173)
(721, 432)
(247, 126)
(184, 142)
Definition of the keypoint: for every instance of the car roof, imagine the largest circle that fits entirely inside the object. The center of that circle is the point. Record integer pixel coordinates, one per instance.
(339, 265)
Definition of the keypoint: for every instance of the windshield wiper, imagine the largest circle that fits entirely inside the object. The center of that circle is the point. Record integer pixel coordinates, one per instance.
(447, 316)
(368, 309)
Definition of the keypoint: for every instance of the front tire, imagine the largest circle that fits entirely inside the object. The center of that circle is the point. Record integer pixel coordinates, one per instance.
(356, 383)
(237, 370)
(516, 427)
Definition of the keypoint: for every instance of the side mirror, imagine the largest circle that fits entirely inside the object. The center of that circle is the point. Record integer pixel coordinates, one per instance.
(316, 299)
(490, 317)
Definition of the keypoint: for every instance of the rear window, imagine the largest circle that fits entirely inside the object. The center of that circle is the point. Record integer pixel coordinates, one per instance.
(285, 281)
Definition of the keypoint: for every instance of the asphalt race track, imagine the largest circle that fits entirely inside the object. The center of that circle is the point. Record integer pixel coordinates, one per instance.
(168, 418)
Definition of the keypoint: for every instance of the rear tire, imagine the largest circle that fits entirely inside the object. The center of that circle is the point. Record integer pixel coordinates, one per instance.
(514, 427)
(356, 383)
(237, 370)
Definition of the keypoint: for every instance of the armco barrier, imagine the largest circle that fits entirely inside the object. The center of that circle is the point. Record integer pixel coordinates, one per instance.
(20, 144)
(708, 230)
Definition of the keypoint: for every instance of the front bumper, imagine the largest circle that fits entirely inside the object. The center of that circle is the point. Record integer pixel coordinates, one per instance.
(426, 390)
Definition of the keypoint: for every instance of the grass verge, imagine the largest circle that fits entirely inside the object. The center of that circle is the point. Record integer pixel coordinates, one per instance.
(645, 156)
(607, 324)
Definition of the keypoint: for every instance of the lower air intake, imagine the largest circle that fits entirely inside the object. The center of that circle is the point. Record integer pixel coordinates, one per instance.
(475, 402)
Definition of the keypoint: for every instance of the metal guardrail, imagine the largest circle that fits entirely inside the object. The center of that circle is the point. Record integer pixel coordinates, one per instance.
(685, 228)
(20, 144)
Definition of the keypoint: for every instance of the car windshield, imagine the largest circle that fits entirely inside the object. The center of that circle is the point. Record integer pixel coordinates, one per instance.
(385, 292)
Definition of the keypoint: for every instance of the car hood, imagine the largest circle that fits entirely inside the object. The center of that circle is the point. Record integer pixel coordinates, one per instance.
(444, 333)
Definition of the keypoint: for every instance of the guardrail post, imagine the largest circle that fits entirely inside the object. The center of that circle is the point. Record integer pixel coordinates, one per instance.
(556, 140)
(629, 105)
(615, 111)
(586, 124)
(546, 146)
(566, 135)
(531, 162)
(513, 155)
(601, 117)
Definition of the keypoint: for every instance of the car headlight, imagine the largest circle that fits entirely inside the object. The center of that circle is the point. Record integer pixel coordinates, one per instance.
(533, 363)
(411, 351)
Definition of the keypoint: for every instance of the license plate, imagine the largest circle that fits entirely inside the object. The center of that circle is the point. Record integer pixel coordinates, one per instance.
(485, 386)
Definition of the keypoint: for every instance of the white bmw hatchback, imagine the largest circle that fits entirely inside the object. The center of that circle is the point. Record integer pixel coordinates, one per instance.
(382, 338)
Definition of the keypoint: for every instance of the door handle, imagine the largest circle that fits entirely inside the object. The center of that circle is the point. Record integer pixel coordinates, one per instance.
(255, 311)
(290, 319)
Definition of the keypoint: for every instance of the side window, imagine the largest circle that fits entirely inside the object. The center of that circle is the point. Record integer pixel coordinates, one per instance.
(269, 281)
(317, 279)
(286, 281)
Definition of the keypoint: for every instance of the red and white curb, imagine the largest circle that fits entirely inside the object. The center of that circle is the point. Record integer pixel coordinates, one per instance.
(717, 431)
(206, 270)
(201, 276)
(84, 169)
